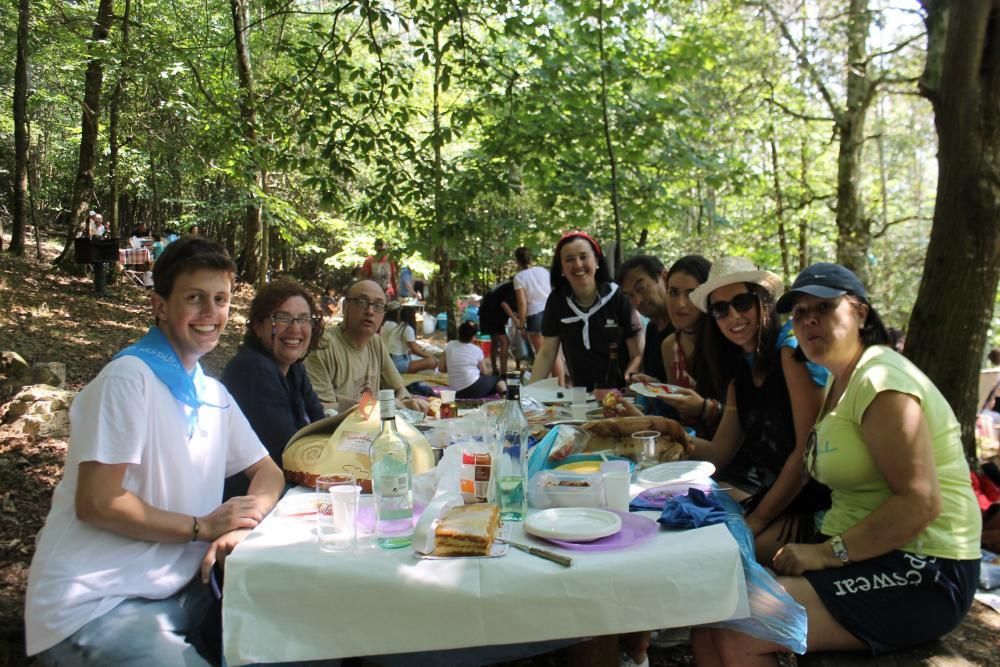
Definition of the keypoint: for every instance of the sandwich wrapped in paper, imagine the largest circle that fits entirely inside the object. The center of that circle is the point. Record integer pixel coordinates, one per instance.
(340, 444)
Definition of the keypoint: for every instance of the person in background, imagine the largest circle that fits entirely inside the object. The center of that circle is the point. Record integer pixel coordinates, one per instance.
(352, 360)
(267, 377)
(896, 560)
(139, 511)
(772, 399)
(898, 338)
(329, 303)
(147, 275)
(532, 286)
(158, 246)
(193, 230)
(98, 226)
(584, 314)
(497, 308)
(380, 268)
(399, 333)
(643, 281)
(140, 230)
(418, 289)
(406, 288)
(466, 366)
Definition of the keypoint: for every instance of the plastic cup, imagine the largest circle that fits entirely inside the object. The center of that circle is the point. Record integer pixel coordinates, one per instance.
(646, 441)
(616, 479)
(336, 521)
(578, 411)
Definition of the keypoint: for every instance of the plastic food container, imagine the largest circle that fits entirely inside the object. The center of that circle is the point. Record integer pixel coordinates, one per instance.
(555, 489)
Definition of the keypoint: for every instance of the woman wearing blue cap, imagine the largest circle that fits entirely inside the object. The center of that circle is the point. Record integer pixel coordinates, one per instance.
(896, 559)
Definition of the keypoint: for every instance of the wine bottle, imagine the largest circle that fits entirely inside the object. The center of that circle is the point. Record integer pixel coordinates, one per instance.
(390, 459)
(511, 455)
(613, 377)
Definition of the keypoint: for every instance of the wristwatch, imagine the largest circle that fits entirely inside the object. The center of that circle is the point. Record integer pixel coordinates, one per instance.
(839, 550)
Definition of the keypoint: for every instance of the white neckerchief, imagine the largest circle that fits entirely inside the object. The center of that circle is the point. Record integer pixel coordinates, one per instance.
(585, 316)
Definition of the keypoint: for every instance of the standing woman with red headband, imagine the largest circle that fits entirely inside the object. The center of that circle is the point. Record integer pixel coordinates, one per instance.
(585, 314)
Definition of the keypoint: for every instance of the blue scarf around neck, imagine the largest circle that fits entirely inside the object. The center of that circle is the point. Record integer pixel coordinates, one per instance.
(156, 351)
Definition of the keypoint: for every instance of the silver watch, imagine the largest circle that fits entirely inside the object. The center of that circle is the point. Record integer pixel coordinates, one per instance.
(839, 550)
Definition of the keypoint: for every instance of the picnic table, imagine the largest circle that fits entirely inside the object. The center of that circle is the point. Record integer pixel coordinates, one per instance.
(286, 600)
(134, 256)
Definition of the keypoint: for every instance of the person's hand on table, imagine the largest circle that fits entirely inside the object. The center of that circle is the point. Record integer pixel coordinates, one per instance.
(794, 559)
(415, 403)
(237, 512)
(221, 547)
(687, 402)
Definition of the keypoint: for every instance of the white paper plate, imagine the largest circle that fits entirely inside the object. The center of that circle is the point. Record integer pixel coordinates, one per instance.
(573, 524)
(675, 472)
(653, 389)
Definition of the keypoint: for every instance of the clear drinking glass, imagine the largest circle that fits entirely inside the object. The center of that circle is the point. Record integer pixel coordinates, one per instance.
(337, 515)
(646, 448)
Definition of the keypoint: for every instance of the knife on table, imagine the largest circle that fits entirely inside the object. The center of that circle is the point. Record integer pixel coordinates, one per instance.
(565, 561)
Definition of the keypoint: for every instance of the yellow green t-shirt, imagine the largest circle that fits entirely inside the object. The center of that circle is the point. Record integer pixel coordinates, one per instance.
(844, 463)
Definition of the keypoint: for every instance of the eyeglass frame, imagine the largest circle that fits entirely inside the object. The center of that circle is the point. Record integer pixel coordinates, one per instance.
(287, 320)
(364, 303)
(748, 298)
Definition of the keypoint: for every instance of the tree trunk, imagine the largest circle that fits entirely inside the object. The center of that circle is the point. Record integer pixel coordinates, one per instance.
(853, 227)
(779, 207)
(608, 144)
(948, 327)
(20, 132)
(83, 185)
(444, 296)
(254, 266)
(113, 116)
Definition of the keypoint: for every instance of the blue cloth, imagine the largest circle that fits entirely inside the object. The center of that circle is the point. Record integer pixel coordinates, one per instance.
(774, 615)
(156, 351)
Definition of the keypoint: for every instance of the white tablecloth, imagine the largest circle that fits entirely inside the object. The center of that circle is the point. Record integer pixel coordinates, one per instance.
(286, 600)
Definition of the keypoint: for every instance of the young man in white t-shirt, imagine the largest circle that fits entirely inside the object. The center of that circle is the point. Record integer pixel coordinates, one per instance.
(119, 574)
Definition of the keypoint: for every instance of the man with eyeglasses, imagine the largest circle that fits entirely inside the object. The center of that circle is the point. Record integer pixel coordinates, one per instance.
(353, 359)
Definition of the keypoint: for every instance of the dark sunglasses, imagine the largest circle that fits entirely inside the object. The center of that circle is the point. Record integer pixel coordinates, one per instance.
(741, 303)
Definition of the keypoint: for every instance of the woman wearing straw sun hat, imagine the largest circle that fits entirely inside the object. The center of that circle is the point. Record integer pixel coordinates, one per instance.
(772, 400)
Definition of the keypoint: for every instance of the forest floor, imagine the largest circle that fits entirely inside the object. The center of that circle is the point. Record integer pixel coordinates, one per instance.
(51, 316)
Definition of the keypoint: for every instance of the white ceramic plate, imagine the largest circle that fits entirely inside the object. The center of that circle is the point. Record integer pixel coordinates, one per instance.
(675, 472)
(653, 389)
(573, 524)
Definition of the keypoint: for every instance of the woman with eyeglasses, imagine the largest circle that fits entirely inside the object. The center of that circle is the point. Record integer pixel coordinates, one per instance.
(584, 314)
(266, 377)
(896, 560)
(772, 398)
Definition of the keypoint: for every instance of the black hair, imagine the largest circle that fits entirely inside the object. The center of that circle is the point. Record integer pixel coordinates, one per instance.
(698, 267)
(725, 355)
(185, 255)
(873, 331)
(994, 356)
(408, 316)
(695, 266)
(268, 298)
(556, 277)
(651, 265)
(467, 331)
(523, 256)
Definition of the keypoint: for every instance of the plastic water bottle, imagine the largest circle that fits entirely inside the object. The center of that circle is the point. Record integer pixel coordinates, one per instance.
(511, 458)
(391, 481)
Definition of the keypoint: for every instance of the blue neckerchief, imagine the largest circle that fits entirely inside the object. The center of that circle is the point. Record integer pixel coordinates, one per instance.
(786, 338)
(156, 351)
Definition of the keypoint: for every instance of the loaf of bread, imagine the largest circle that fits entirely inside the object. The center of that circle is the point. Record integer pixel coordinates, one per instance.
(467, 530)
(616, 434)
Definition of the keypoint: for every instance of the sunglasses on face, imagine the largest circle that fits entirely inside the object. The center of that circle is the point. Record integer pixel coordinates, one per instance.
(741, 303)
